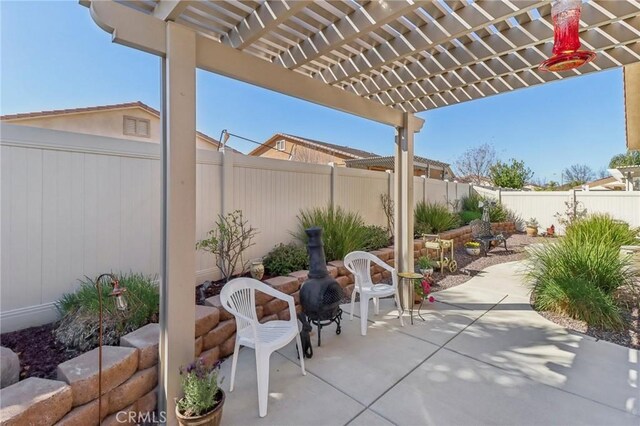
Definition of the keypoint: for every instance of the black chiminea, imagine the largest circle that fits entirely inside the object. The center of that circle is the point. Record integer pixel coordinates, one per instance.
(320, 295)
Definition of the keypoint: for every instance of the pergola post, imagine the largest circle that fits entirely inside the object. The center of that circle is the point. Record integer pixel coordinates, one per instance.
(403, 182)
(177, 308)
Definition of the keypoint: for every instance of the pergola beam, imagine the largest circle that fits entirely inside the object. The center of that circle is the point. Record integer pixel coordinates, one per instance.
(147, 33)
(264, 19)
(170, 10)
(426, 37)
(361, 21)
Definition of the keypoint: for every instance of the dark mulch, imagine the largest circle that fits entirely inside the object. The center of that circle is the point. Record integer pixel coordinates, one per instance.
(38, 351)
(212, 288)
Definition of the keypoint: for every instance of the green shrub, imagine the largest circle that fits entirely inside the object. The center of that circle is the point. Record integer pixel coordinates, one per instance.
(578, 275)
(78, 328)
(498, 213)
(285, 259)
(376, 237)
(466, 216)
(433, 218)
(603, 227)
(342, 231)
(471, 203)
(419, 229)
(577, 298)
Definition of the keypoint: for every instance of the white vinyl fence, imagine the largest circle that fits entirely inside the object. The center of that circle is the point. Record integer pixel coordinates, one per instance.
(76, 205)
(545, 205)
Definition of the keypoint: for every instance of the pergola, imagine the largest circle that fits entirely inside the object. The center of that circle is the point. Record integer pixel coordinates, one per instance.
(382, 60)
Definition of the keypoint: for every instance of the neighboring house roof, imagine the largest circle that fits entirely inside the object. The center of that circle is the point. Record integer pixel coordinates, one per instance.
(338, 150)
(126, 105)
(388, 163)
(608, 182)
(484, 181)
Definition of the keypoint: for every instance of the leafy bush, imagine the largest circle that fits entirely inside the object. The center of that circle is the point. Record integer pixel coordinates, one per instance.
(376, 237)
(78, 328)
(466, 216)
(342, 231)
(285, 259)
(578, 275)
(433, 218)
(200, 388)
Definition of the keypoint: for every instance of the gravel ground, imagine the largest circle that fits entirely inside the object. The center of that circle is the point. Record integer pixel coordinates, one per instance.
(629, 336)
(469, 266)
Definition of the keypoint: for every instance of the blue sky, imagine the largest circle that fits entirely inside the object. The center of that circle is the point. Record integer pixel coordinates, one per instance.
(54, 56)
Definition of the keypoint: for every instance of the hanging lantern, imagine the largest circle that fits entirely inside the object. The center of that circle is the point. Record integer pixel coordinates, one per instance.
(566, 40)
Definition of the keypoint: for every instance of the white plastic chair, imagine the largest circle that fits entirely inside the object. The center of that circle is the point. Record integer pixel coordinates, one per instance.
(238, 297)
(359, 264)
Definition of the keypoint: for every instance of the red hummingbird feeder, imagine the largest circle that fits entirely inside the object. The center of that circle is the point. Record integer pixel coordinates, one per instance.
(566, 40)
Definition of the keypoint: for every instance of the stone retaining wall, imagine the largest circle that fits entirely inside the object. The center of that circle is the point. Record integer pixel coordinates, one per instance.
(130, 371)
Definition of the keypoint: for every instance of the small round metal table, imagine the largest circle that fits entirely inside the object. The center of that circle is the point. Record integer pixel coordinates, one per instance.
(410, 277)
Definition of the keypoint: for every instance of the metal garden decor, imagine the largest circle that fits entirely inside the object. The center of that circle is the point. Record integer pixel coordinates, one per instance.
(566, 39)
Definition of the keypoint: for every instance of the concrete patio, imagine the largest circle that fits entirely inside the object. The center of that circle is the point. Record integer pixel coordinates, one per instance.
(482, 357)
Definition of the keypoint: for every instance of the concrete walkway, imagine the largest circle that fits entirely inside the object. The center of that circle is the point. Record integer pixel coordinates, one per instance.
(481, 357)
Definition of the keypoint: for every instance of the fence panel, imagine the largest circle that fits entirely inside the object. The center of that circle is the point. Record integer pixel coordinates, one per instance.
(621, 205)
(360, 190)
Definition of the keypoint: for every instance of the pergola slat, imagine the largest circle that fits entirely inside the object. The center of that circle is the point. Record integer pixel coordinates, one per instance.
(436, 32)
(261, 21)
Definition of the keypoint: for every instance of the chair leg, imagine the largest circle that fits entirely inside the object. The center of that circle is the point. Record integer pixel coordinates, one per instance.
(376, 306)
(364, 314)
(300, 354)
(262, 368)
(400, 311)
(234, 364)
(353, 304)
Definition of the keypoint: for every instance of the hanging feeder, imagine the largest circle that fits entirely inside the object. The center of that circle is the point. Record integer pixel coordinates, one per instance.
(566, 40)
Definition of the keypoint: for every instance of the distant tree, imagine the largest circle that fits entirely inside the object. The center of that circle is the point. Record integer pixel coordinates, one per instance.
(602, 173)
(552, 184)
(513, 174)
(476, 162)
(631, 158)
(578, 174)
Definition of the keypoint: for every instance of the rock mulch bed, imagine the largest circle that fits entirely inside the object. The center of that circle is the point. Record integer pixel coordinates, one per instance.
(469, 266)
(629, 336)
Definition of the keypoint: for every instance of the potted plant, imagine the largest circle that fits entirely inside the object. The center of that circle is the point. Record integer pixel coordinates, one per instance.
(203, 399)
(532, 227)
(472, 248)
(425, 265)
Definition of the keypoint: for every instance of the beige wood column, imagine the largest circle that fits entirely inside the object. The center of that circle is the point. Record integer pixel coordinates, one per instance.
(403, 202)
(632, 105)
(177, 307)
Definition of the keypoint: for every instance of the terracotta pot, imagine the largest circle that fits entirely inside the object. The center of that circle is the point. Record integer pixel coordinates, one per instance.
(212, 418)
(532, 231)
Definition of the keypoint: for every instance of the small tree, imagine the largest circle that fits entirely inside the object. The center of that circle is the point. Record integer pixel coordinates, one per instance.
(476, 162)
(510, 175)
(228, 240)
(388, 208)
(577, 174)
(631, 158)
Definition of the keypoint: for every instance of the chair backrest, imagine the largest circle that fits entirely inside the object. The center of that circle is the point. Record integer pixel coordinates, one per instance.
(480, 228)
(238, 296)
(359, 264)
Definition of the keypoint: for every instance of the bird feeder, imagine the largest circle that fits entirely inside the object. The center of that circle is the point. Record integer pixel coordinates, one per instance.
(566, 40)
